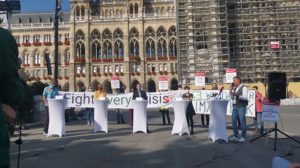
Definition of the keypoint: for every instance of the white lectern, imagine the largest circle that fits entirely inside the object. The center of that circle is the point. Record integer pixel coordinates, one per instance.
(140, 116)
(56, 117)
(217, 121)
(100, 116)
(180, 125)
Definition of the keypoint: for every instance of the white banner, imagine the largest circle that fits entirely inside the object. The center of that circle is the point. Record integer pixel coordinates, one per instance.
(157, 99)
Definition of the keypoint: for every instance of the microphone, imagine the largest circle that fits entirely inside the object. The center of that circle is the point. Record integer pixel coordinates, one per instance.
(221, 90)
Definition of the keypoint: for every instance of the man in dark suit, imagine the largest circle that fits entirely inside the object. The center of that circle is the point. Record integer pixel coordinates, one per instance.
(190, 111)
(138, 92)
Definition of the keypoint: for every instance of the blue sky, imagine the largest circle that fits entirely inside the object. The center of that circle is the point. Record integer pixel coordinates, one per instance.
(42, 5)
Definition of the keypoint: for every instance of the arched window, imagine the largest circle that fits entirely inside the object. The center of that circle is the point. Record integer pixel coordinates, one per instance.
(150, 32)
(150, 48)
(118, 34)
(82, 11)
(36, 58)
(80, 49)
(107, 49)
(136, 9)
(96, 50)
(67, 56)
(131, 9)
(96, 35)
(79, 35)
(172, 31)
(119, 49)
(161, 32)
(106, 35)
(26, 58)
(77, 11)
(134, 44)
(134, 48)
(172, 47)
(162, 48)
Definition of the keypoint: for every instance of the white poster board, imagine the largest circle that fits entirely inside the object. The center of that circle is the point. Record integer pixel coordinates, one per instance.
(270, 113)
(230, 73)
(163, 83)
(200, 78)
(115, 82)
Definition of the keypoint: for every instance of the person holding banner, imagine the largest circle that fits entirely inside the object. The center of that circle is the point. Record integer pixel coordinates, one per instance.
(165, 112)
(90, 113)
(190, 111)
(138, 92)
(99, 93)
(239, 94)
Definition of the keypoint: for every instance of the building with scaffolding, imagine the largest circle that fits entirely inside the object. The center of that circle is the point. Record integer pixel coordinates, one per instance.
(254, 36)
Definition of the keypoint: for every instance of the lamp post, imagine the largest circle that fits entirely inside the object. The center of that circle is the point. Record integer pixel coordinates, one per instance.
(57, 10)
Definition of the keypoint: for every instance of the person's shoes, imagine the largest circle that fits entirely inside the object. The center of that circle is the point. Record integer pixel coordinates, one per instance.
(192, 133)
(242, 139)
(233, 138)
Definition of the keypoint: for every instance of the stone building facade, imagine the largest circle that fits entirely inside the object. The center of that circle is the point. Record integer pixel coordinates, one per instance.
(134, 40)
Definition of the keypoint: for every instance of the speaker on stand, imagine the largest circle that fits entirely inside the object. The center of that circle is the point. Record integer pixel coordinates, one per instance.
(276, 91)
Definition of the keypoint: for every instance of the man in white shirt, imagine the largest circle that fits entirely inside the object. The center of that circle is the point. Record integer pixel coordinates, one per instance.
(239, 93)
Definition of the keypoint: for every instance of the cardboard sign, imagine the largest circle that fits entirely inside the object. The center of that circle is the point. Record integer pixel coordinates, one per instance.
(115, 82)
(230, 73)
(270, 113)
(163, 83)
(200, 78)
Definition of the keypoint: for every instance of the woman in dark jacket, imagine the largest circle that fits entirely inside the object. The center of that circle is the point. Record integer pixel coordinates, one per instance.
(190, 111)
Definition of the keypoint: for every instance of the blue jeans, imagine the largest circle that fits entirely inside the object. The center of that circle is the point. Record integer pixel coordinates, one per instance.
(239, 112)
(90, 115)
(260, 122)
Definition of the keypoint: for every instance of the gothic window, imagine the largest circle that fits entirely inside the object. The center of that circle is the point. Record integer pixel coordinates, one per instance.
(107, 49)
(119, 49)
(26, 58)
(107, 34)
(37, 57)
(172, 31)
(118, 34)
(150, 32)
(79, 35)
(161, 32)
(150, 48)
(96, 50)
(80, 49)
(134, 48)
(162, 48)
(172, 47)
(134, 33)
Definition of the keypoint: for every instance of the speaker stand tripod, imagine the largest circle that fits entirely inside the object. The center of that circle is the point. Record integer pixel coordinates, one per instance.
(275, 130)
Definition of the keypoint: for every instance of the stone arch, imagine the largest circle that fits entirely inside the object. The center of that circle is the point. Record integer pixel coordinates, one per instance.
(95, 34)
(107, 86)
(118, 34)
(79, 35)
(77, 11)
(151, 85)
(94, 84)
(80, 86)
(174, 84)
(82, 10)
(134, 83)
(66, 87)
(161, 31)
(172, 31)
(150, 32)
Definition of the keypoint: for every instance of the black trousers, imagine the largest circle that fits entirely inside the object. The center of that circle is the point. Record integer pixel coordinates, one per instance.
(190, 121)
(120, 118)
(164, 114)
(207, 120)
(46, 120)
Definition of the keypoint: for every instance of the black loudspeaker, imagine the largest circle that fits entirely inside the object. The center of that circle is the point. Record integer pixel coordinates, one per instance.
(276, 85)
(48, 62)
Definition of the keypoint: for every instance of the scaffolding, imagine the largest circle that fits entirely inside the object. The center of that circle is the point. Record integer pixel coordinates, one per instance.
(203, 39)
(218, 34)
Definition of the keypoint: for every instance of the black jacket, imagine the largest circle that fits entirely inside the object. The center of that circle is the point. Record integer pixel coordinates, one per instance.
(136, 94)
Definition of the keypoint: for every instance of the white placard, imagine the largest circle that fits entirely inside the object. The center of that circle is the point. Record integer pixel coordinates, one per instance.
(200, 78)
(115, 84)
(230, 73)
(270, 113)
(163, 83)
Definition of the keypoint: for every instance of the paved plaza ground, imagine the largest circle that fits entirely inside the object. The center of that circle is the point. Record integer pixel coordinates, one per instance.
(80, 148)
